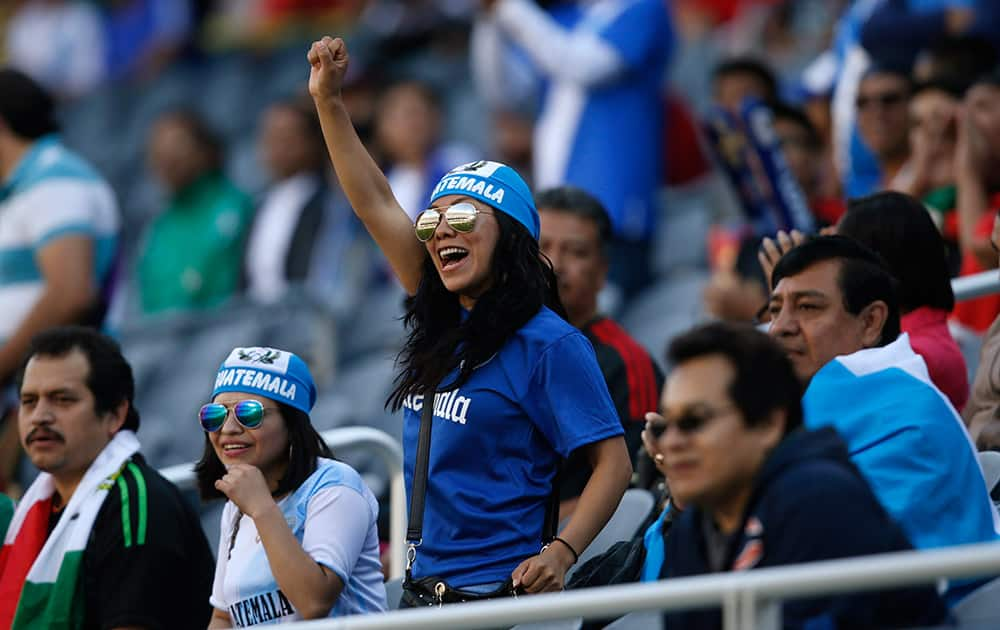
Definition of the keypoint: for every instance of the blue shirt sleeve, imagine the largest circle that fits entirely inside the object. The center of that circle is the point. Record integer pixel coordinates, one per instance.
(567, 397)
(641, 34)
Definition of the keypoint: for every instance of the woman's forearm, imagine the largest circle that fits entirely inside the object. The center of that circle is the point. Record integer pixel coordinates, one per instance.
(369, 193)
(310, 587)
(612, 471)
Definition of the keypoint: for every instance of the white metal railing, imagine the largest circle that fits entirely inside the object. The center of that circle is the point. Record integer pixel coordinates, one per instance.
(977, 285)
(377, 442)
(750, 600)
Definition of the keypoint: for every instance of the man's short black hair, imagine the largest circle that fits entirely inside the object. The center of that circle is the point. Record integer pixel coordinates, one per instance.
(25, 107)
(109, 377)
(900, 230)
(890, 67)
(952, 86)
(764, 379)
(205, 136)
(961, 59)
(753, 67)
(578, 202)
(790, 113)
(863, 279)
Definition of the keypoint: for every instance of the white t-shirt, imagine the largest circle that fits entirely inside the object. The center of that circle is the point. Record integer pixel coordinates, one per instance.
(333, 516)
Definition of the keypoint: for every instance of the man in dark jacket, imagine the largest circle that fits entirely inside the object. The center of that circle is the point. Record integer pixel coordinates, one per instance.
(759, 490)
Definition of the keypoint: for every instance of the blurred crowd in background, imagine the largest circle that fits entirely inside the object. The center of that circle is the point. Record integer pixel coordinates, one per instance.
(196, 112)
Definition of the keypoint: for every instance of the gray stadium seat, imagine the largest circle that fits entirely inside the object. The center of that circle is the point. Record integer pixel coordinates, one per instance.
(990, 461)
(393, 591)
(666, 309)
(982, 606)
(623, 525)
(559, 624)
(641, 620)
(681, 236)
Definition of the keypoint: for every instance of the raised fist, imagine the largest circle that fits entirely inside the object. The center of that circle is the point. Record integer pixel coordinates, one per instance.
(328, 58)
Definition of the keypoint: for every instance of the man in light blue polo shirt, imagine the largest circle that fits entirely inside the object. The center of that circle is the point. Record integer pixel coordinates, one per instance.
(59, 224)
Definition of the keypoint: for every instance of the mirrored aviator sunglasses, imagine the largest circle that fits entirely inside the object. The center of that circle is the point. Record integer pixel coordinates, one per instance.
(461, 217)
(249, 413)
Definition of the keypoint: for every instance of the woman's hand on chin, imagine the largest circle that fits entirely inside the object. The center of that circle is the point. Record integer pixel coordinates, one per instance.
(245, 486)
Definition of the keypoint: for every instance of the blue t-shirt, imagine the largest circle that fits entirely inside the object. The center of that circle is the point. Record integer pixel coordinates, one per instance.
(614, 130)
(494, 447)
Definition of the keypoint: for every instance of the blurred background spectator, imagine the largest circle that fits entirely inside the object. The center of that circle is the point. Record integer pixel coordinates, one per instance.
(191, 253)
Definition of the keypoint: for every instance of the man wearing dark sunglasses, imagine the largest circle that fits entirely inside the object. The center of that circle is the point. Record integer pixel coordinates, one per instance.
(759, 491)
(115, 532)
(884, 123)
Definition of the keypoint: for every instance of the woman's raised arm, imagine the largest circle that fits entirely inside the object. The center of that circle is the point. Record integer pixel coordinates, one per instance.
(363, 182)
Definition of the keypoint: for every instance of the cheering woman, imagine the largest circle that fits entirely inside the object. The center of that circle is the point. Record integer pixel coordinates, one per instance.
(517, 388)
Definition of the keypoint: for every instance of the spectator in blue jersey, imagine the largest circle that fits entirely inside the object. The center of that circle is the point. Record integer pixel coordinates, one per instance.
(575, 235)
(834, 309)
(298, 538)
(600, 121)
(515, 387)
(59, 231)
(758, 490)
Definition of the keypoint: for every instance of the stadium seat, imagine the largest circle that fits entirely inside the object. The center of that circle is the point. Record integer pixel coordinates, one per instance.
(680, 239)
(393, 591)
(641, 620)
(990, 461)
(982, 606)
(623, 525)
(559, 624)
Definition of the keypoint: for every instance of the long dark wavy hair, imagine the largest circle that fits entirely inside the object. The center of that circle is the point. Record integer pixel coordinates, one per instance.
(440, 341)
(305, 446)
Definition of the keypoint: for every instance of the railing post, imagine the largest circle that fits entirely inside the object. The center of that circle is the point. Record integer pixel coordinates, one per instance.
(397, 525)
(757, 614)
(731, 610)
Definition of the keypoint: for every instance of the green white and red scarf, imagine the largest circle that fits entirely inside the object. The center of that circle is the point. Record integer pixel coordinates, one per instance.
(40, 576)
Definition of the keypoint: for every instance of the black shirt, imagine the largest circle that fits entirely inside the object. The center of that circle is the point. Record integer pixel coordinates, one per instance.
(147, 562)
(634, 382)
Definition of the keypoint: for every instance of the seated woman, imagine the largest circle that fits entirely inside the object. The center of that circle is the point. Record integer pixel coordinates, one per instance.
(298, 537)
(899, 228)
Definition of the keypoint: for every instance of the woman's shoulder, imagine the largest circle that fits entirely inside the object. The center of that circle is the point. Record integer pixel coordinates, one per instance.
(546, 327)
(533, 341)
(331, 473)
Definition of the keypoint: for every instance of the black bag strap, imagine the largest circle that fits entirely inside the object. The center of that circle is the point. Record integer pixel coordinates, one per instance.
(551, 526)
(415, 524)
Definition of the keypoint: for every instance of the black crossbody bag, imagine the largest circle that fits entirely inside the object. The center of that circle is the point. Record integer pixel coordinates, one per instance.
(433, 590)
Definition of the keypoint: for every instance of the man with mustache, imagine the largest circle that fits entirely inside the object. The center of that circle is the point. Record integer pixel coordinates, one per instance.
(834, 310)
(100, 539)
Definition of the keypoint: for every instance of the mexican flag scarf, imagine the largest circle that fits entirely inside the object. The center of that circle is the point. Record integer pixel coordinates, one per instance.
(40, 584)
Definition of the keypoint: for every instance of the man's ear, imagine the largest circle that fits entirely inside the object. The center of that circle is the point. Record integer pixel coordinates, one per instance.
(772, 430)
(117, 417)
(873, 318)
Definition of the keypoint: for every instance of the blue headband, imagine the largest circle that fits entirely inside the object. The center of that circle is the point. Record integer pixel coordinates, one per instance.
(274, 374)
(494, 184)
